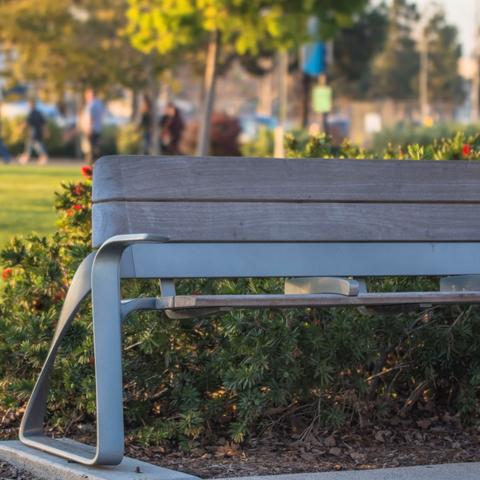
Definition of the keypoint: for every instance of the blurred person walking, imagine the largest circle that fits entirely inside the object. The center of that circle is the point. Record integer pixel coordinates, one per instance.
(4, 153)
(91, 126)
(172, 126)
(35, 125)
(146, 124)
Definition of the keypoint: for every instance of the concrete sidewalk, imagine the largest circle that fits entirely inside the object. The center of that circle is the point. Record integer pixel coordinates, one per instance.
(454, 471)
(49, 467)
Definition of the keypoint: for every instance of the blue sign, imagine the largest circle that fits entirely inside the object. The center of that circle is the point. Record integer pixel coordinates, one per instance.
(315, 59)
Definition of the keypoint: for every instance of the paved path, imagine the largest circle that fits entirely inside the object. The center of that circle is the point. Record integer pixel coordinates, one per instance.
(454, 471)
(45, 466)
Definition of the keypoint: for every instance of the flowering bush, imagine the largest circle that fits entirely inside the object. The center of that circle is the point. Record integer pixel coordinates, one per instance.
(404, 135)
(242, 372)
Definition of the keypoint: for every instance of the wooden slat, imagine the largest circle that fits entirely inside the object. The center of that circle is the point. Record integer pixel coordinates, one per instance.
(283, 222)
(285, 180)
(323, 300)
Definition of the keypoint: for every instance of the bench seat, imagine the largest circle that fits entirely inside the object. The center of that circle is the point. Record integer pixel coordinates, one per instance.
(316, 300)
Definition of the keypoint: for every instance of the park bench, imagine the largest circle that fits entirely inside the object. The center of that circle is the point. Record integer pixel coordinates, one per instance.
(323, 225)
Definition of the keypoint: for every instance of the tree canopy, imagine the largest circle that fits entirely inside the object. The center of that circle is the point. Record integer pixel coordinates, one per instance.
(396, 68)
(247, 25)
(444, 51)
(58, 43)
(355, 48)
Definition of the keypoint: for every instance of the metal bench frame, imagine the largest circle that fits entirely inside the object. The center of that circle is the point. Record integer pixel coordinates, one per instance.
(100, 274)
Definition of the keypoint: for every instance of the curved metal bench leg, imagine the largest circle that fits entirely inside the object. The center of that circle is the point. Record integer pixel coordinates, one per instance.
(31, 428)
(100, 274)
(107, 336)
(96, 274)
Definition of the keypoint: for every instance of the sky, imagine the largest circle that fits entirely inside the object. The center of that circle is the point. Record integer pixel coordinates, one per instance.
(462, 14)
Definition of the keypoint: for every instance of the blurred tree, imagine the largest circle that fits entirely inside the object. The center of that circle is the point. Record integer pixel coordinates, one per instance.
(246, 26)
(377, 56)
(355, 48)
(62, 44)
(444, 51)
(396, 68)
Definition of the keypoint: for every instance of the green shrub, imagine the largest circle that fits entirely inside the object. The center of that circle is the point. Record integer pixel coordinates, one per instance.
(13, 134)
(261, 146)
(241, 372)
(108, 140)
(56, 142)
(408, 134)
(129, 139)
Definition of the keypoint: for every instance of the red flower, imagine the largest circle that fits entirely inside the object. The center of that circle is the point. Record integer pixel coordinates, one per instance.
(6, 273)
(77, 207)
(78, 189)
(69, 212)
(466, 150)
(87, 171)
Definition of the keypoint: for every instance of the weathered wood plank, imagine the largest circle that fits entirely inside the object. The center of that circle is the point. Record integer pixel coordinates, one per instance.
(267, 179)
(323, 300)
(283, 222)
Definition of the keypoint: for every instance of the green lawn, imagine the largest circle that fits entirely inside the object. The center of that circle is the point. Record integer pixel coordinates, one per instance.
(26, 197)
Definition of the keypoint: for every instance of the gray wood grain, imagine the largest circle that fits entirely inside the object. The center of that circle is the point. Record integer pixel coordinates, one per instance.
(323, 300)
(267, 179)
(283, 222)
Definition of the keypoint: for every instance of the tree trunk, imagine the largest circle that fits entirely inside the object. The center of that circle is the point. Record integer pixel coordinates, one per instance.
(155, 145)
(134, 106)
(203, 143)
(279, 136)
(306, 99)
(266, 94)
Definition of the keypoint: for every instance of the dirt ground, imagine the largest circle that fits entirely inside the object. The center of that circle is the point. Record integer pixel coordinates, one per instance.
(427, 441)
(402, 443)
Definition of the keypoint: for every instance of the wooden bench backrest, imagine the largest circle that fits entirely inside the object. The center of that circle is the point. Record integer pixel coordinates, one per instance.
(287, 200)
(234, 217)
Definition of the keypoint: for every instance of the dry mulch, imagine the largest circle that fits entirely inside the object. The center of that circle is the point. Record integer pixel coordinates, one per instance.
(407, 443)
(401, 442)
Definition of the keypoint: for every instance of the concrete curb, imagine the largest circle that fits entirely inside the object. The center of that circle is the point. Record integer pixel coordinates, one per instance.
(454, 471)
(50, 467)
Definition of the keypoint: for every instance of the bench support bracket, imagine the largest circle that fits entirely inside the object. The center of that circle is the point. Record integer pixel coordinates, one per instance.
(332, 285)
(99, 273)
(460, 283)
(167, 289)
